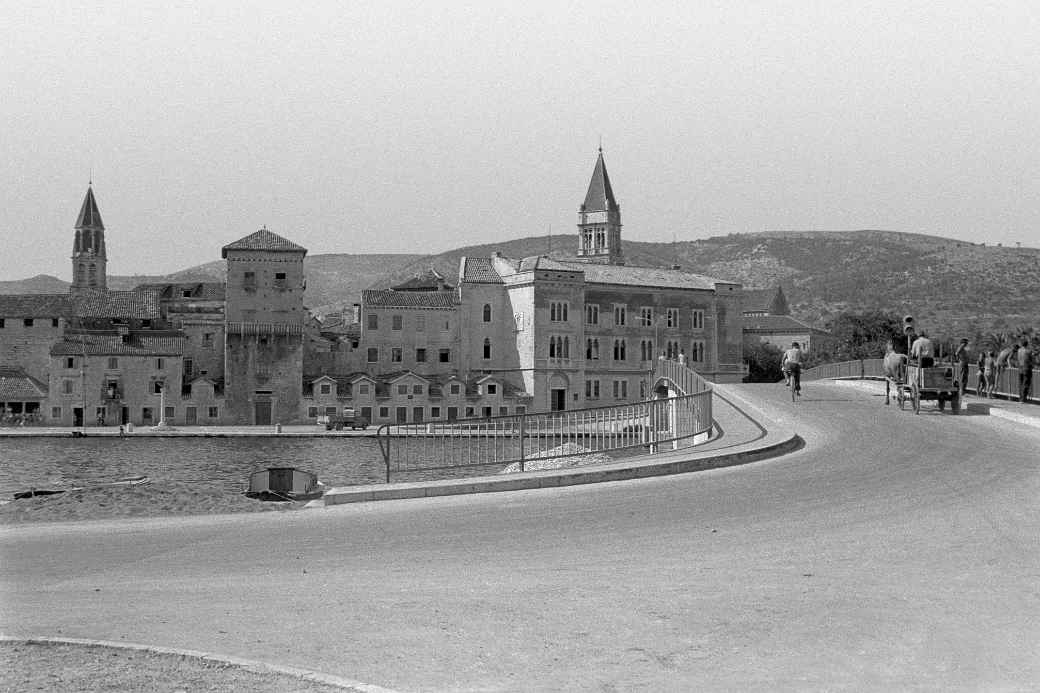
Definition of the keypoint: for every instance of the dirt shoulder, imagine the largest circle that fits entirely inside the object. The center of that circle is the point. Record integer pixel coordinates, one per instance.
(34, 666)
(146, 500)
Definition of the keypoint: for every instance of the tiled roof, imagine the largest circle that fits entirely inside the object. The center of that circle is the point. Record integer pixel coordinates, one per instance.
(113, 345)
(625, 275)
(263, 240)
(479, 270)
(200, 291)
(600, 196)
(16, 385)
(429, 280)
(35, 305)
(117, 304)
(89, 216)
(388, 298)
(776, 323)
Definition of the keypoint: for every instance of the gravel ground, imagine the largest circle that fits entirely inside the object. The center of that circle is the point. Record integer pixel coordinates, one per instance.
(64, 667)
(146, 500)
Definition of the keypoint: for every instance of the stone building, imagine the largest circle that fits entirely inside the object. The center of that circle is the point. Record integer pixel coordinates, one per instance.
(767, 319)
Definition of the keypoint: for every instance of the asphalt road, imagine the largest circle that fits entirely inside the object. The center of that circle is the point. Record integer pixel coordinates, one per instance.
(894, 551)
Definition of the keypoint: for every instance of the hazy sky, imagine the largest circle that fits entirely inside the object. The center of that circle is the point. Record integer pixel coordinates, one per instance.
(391, 127)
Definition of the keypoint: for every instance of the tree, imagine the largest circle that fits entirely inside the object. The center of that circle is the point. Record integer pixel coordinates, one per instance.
(861, 335)
(763, 362)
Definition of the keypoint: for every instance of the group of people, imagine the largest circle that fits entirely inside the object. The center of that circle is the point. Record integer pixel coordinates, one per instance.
(992, 367)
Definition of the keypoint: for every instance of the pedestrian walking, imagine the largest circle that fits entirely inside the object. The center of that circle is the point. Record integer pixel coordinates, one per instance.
(1025, 362)
(962, 358)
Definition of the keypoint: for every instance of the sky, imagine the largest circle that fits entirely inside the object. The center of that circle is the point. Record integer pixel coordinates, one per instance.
(420, 127)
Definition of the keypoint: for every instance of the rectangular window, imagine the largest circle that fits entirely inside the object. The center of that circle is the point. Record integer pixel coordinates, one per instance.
(170, 413)
(624, 389)
(160, 364)
(617, 388)
(157, 386)
(673, 317)
(486, 412)
(279, 280)
(70, 361)
(416, 389)
(469, 412)
(420, 323)
(420, 355)
(435, 412)
(55, 412)
(698, 319)
(455, 388)
(66, 387)
(54, 322)
(646, 316)
(397, 323)
(492, 388)
(521, 409)
(146, 414)
(249, 280)
(1, 323)
(28, 322)
(453, 413)
(312, 412)
(113, 363)
(503, 411)
(189, 368)
(363, 389)
(444, 355)
(396, 354)
(326, 388)
(330, 411)
(213, 412)
(591, 315)
(620, 316)
(373, 354)
(373, 321)
(384, 412)
(366, 413)
(697, 351)
(402, 389)
(207, 340)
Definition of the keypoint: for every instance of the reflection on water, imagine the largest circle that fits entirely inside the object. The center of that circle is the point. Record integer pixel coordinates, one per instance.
(225, 462)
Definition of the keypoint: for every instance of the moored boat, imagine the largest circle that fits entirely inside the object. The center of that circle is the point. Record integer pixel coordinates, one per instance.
(284, 483)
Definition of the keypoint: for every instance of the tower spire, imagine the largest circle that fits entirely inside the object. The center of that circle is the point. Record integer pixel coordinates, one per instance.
(89, 259)
(599, 218)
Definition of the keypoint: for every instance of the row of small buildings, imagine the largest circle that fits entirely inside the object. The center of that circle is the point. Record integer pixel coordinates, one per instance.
(513, 335)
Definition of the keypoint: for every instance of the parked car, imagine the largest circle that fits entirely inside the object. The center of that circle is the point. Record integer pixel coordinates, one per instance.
(349, 418)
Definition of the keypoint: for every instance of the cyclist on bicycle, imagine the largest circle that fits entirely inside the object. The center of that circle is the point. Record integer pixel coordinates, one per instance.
(792, 364)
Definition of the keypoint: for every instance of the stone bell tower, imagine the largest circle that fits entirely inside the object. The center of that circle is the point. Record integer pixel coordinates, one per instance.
(599, 220)
(89, 269)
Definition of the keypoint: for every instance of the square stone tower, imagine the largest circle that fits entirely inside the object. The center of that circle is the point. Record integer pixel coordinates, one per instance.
(264, 317)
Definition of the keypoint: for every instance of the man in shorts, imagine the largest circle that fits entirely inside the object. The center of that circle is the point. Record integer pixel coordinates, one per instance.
(792, 364)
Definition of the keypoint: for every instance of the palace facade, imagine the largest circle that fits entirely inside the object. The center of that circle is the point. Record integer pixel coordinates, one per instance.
(514, 335)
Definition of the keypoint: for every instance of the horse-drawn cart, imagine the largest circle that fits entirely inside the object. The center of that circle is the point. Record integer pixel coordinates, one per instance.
(914, 383)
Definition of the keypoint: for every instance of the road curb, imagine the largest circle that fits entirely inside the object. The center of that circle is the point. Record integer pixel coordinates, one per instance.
(251, 665)
(666, 464)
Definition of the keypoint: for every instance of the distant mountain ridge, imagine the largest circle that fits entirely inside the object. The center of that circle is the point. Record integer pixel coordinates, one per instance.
(947, 284)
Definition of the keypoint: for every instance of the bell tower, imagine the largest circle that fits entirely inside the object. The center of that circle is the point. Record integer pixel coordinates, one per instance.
(599, 220)
(88, 250)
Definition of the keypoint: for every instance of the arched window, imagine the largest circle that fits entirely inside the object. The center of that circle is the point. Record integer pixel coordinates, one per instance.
(487, 312)
(588, 349)
(487, 348)
(595, 348)
(566, 347)
(564, 312)
(552, 312)
(619, 350)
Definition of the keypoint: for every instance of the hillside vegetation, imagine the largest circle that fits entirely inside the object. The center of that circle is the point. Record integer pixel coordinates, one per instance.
(953, 287)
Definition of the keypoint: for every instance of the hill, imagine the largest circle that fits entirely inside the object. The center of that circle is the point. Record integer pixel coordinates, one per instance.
(953, 287)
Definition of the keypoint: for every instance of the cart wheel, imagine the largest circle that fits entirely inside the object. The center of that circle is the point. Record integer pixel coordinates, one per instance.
(955, 403)
(916, 400)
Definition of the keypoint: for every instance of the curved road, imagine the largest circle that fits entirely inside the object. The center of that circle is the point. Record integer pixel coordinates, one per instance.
(894, 551)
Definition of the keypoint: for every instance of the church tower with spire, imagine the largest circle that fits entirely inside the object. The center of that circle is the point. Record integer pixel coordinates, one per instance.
(89, 269)
(599, 220)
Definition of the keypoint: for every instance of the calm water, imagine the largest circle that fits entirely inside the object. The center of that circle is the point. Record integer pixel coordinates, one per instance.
(58, 462)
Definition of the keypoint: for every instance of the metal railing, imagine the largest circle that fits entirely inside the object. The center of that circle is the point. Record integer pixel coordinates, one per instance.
(500, 441)
(1006, 379)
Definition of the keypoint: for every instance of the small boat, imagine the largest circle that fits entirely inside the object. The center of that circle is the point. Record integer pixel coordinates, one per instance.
(130, 481)
(284, 484)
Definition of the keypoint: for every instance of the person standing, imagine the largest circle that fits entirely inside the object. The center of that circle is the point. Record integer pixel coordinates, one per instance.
(962, 357)
(1003, 361)
(983, 381)
(923, 351)
(1025, 362)
(989, 370)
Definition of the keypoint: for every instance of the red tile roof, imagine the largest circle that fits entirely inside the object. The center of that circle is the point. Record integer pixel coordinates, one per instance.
(16, 385)
(388, 298)
(96, 303)
(480, 270)
(113, 345)
(263, 240)
(35, 306)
